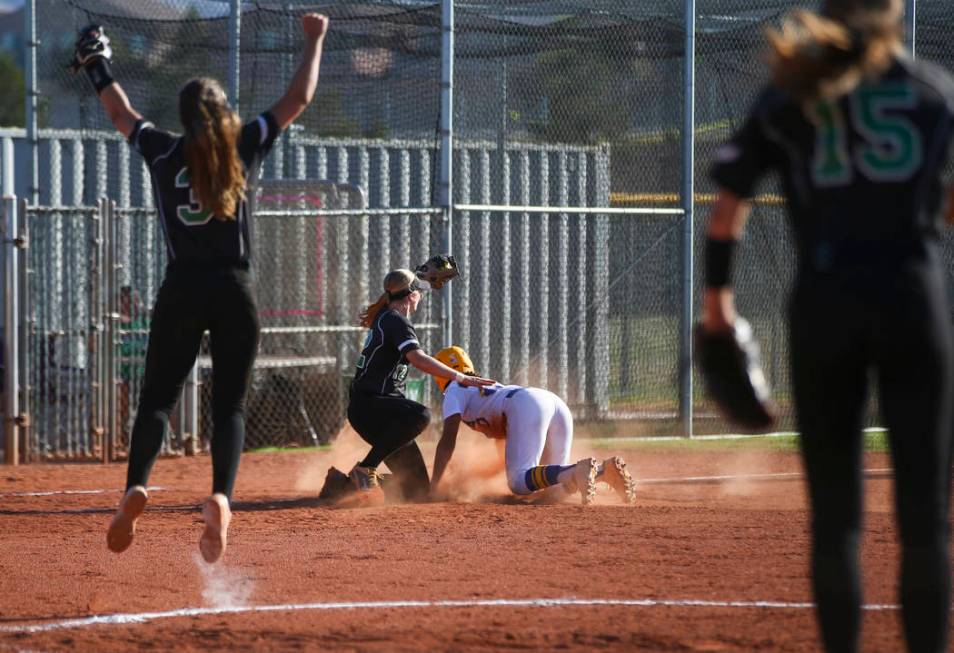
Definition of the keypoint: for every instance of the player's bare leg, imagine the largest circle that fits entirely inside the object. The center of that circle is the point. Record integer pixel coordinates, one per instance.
(613, 472)
(123, 527)
(217, 516)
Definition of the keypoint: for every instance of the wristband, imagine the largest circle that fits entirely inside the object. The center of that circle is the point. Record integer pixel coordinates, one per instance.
(460, 377)
(718, 262)
(99, 73)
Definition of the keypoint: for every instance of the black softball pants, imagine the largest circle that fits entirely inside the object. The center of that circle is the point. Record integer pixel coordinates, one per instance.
(899, 330)
(191, 301)
(391, 425)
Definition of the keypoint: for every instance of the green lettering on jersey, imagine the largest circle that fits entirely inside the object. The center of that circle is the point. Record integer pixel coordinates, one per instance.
(191, 214)
(832, 165)
(893, 150)
(891, 147)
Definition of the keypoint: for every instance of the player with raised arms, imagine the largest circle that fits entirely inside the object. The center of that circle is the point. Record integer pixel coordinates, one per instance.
(378, 409)
(861, 135)
(538, 429)
(201, 182)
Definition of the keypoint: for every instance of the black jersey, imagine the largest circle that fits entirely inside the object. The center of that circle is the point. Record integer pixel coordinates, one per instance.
(193, 235)
(382, 366)
(863, 175)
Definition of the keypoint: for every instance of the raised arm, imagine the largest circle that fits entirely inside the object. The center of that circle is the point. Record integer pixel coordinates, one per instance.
(301, 90)
(93, 56)
(123, 116)
(726, 225)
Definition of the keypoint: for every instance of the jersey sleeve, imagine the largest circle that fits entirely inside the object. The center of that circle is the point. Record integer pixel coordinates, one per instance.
(453, 401)
(150, 142)
(400, 333)
(258, 136)
(748, 156)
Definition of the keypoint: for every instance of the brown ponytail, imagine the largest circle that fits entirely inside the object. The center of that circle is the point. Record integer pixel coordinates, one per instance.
(212, 130)
(368, 314)
(395, 282)
(826, 55)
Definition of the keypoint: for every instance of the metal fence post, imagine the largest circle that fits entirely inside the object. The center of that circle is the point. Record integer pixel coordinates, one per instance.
(7, 190)
(235, 52)
(33, 192)
(11, 339)
(23, 364)
(97, 309)
(445, 184)
(189, 416)
(112, 317)
(8, 163)
(688, 200)
(911, 25)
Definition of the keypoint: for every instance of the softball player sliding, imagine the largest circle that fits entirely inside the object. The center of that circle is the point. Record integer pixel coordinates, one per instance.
(537, 427)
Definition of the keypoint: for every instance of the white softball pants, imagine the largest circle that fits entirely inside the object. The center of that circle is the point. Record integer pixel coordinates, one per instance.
(539, 432)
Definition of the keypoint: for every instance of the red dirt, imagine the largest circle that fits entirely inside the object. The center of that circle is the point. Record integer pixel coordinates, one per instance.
(740, 540)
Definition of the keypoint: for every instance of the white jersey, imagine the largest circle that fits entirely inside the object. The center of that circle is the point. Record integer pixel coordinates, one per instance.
(482, 409)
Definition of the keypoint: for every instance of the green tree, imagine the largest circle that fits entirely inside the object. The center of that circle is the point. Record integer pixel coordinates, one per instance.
(12, 99)
(586, 103)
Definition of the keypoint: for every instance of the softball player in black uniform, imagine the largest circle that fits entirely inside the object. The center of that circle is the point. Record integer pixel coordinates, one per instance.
(378, 409)
(860, 134)
(201, 181)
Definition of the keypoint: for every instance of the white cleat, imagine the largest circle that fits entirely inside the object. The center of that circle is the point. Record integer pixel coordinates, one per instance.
(584, 476)
(123, 527)
(217, 515)
(618, 477)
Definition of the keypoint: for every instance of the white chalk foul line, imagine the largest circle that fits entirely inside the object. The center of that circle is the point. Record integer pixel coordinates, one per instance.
(144, 617)
(52, 493)
(745, 477)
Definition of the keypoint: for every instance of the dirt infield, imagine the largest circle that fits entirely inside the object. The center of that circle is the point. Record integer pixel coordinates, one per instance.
(702, 565)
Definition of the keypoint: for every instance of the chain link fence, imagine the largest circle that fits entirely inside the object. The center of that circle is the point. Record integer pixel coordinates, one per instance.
(557, 104)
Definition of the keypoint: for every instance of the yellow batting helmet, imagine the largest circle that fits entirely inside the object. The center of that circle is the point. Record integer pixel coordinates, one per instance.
(455, 358)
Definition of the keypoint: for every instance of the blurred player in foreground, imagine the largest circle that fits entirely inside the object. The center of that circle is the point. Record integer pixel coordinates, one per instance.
(201, 181)
(860, 134)
(378, 409)
(537, 427)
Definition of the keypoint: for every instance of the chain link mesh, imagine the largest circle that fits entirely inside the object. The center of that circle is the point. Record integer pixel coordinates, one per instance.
(730, 72)
(557, 103)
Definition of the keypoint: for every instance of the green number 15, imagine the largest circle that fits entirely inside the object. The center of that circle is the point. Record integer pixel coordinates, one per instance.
(892, 150)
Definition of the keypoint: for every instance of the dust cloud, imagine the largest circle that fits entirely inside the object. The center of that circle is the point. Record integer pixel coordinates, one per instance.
(223, 587)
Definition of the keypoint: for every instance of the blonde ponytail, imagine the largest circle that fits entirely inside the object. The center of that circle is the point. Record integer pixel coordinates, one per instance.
(212, 130)
(400, 282)
(823, 56)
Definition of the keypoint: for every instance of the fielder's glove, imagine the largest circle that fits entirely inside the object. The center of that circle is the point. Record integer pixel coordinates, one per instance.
(438, 270)
(730, 367)
(91, 44)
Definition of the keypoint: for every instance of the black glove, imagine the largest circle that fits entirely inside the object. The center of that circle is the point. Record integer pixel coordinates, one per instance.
(91, 44)
(93, 55)
(730, 367)
(438, 270)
